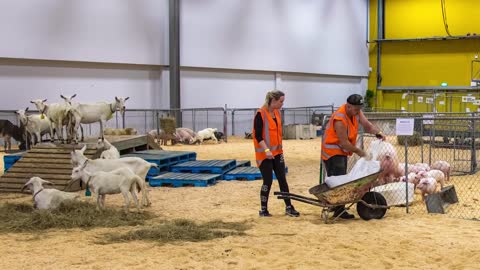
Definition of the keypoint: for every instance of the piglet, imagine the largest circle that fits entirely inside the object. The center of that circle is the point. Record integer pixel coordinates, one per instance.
(444, 167)
(427, 185)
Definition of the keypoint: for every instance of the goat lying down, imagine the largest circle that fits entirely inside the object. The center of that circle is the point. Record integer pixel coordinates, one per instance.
(47, 198)
(109, 152)
(137, 165)
(121, 180)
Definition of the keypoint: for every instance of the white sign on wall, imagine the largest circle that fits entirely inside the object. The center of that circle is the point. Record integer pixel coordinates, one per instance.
(476, 102)
(441, 102)
(410, 102)
(429, 100)
(420, 99)
(468, 99)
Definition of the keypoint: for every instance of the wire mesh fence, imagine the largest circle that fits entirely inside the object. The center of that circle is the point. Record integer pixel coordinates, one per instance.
(443, 147)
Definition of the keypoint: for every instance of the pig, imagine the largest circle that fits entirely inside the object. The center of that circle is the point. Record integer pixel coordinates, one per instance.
(444, 167)
(437, 174)
(427, 185)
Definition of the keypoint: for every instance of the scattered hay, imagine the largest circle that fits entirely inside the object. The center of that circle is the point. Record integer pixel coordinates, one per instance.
(181, 230)
(24, 218)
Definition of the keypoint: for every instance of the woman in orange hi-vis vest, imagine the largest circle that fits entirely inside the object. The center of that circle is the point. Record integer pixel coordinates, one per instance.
(339, 140)
(267, 140)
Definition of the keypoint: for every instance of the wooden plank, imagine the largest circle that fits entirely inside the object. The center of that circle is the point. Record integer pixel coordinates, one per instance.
(37, 169)
(59, 150)
(22, 181)
(48, 155)
(29, 165)
(42, 175)
(45, 160)
(129, 143)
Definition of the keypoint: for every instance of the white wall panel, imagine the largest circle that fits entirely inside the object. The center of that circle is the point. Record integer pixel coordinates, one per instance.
(21, 83)
(88, 30)
(319, 90)
(215, 89)
(322, 36)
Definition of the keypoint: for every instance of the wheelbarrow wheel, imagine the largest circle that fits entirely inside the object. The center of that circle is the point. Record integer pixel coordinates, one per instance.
(374, 198)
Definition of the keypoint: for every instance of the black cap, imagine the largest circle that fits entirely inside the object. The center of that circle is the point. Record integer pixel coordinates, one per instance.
(355, 99)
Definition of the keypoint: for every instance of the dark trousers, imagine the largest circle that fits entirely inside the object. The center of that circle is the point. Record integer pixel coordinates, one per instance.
(336, 165)
(267, 167)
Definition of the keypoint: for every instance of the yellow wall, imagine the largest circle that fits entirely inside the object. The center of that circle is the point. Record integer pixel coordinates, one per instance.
(424, 63)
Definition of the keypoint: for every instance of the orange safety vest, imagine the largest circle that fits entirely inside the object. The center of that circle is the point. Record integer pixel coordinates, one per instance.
(330, 141)
(271, 135)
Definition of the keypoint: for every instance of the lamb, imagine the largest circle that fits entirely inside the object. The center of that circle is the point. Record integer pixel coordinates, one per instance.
(121, 180)
(138, 166)
(35, 125)
(444, 167)
(207, 133)
(427, 185)
(110, 151)
(47, 198)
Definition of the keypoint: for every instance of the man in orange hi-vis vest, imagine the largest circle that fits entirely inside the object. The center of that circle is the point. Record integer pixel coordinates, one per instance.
(339, 140)
(267, 140)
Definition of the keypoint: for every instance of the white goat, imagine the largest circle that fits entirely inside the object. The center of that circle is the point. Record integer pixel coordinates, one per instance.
(73, 118)
(56, 112)
(34, 124)
(208, 133)
(138, 166)
(109, 152)
(44, 198)
(99, 112)
(121, 180)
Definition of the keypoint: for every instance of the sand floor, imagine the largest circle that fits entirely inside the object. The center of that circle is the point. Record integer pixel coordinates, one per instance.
(398, 241)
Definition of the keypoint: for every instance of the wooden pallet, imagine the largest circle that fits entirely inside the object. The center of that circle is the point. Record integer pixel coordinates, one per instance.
(184, 179)
(246, 173)
(52, 163)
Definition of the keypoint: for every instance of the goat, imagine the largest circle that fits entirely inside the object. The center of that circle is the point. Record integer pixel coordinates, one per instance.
(138, 166)
(99, 112)
(208, 133)
(73, 118)
(56, 112)
(109, 152)
(8, 131)
(121, 180)
(44, 198)
(34, 124)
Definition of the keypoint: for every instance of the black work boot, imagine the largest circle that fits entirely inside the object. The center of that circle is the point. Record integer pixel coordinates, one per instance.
(264, 213)
(290, 211)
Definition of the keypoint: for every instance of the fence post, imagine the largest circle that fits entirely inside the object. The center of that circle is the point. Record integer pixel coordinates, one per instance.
(233, 122)
(225, 120)
(473, 162)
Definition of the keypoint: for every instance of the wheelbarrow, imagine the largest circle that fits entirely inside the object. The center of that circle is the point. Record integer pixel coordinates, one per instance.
(370, 205)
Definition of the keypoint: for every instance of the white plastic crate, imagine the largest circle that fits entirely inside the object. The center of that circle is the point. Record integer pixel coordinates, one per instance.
(394, 193)
(302, 132)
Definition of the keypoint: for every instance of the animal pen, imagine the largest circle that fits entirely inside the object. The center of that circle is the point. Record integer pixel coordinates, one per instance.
(450, 137)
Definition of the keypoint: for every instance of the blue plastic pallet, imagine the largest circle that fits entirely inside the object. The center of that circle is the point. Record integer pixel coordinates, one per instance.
(164, 159)
(243, 163)
(245, 173)
(9, 160)
(205, 166)
(184, 179)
